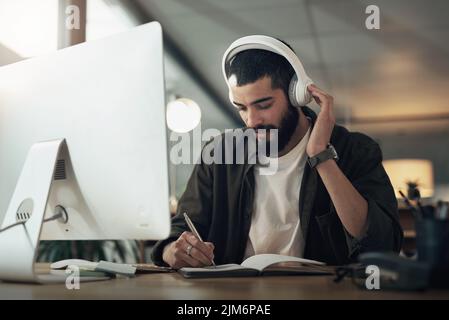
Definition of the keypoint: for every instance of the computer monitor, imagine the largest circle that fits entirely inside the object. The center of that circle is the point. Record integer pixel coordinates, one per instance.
(92, 117)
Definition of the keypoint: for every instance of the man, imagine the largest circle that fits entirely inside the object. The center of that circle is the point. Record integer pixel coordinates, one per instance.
(330, 212)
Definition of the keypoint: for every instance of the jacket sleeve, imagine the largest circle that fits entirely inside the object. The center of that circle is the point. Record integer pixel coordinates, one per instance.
(383, 231)
(196, 201)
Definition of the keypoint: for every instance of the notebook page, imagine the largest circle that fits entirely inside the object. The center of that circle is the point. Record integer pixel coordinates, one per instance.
(261, 261)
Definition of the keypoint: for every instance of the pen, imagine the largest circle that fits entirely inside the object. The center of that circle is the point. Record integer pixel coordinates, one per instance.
(443, 209)
(193, 229)
(425, 210)
(415, 212)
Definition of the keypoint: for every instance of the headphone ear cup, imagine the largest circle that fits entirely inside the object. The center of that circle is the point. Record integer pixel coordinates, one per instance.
(292, 91)
(299, 96)
(307, 94)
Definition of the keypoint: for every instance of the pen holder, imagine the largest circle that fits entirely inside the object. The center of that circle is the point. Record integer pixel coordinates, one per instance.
(432, 239)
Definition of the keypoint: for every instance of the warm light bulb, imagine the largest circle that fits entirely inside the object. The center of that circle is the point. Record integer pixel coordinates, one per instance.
(183, 115)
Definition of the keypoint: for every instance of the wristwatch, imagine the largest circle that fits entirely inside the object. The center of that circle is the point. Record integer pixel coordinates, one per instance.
(329, 153)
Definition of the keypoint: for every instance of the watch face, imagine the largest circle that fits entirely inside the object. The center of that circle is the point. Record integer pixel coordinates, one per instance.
(334, 152)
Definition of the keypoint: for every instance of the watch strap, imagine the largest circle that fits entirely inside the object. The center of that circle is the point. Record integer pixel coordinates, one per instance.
(328, 153)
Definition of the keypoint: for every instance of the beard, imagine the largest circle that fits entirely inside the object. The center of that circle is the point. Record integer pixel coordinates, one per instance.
(289, 122)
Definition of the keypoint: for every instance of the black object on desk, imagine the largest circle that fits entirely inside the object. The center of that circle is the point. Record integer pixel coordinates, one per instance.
(431, 270)
(401, 273)
(432, 239)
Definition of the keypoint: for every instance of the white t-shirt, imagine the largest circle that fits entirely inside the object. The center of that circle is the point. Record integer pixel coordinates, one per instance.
(275, 226)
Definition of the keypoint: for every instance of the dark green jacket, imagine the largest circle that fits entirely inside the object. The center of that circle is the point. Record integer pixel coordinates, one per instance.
(219, 200)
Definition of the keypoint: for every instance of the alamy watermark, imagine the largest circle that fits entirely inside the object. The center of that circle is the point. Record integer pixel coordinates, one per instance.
(372, 22)
(234, 146)
(72, 20)
(72, 282)
(372, 282)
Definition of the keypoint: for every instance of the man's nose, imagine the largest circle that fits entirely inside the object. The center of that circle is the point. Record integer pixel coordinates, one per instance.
(254, 119)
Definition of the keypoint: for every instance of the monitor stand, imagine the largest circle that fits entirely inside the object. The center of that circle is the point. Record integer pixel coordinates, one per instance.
(19, 244)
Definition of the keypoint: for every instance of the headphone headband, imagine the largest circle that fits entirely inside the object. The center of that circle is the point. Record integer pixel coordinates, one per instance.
(273, 45)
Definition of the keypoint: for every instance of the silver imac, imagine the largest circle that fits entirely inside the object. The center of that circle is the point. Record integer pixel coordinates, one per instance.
(83, 137)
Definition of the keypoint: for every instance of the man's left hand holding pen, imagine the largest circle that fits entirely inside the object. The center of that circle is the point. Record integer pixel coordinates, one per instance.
(188, 251)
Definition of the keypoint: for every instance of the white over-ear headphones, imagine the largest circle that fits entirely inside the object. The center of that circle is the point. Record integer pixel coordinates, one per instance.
(297, 91)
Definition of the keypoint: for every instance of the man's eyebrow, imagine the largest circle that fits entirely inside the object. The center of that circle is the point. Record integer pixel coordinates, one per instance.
(254, 102)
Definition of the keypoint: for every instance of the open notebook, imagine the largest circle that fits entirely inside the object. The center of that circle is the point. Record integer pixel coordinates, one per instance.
(261, 265)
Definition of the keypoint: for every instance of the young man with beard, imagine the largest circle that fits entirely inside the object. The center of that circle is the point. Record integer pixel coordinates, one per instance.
(328, 210)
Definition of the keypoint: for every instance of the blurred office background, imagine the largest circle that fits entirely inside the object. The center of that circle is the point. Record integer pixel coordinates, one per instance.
(390, 83)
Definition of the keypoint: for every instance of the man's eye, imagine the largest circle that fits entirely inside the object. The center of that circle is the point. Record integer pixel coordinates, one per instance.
(241, 109)
(267, 106)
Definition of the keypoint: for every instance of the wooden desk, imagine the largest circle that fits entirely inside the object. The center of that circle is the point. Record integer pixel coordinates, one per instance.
(174, 286)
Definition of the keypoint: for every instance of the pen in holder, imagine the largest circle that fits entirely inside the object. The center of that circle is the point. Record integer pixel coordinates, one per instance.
(432, 232)
(432, 239)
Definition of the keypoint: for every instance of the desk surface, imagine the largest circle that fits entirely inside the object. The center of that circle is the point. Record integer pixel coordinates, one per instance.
(174, 286)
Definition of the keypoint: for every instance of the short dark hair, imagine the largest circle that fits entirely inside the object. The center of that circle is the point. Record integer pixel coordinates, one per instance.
(251, 65)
